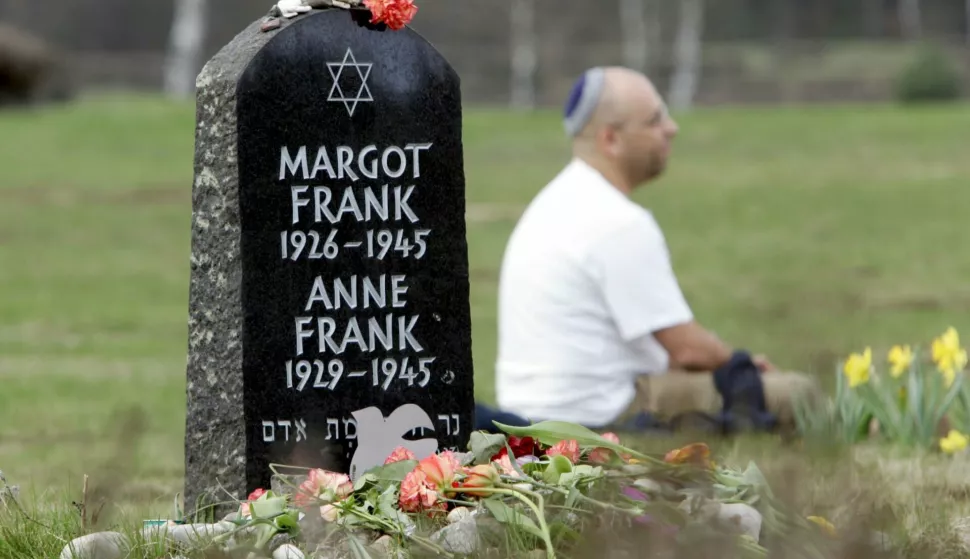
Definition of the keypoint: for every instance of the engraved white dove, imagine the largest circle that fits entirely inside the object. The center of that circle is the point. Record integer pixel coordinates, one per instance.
(377, 437)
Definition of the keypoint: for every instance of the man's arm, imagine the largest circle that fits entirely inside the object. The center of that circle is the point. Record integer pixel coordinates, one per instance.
(645, 299)
(693, 348)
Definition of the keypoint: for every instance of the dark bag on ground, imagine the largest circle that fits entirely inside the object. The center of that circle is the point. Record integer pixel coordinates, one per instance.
(739, 383)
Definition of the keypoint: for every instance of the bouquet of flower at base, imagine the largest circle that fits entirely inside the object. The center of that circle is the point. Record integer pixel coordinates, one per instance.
(548, 485)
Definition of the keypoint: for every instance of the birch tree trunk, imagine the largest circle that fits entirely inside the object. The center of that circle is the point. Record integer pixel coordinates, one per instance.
(654, 35)
(967, 21)
(909, 19)
(524, 56)
(186, 41)
(687, 55)
(873, 16)
(633, 26)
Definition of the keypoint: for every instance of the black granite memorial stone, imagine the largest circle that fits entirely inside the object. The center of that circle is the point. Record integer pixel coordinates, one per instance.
(352, 269)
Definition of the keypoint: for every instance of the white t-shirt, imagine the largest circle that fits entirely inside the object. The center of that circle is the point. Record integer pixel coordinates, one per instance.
(585, 281)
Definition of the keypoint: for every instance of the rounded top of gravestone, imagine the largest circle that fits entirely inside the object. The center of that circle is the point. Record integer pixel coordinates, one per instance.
(395, 14)
(223, 70)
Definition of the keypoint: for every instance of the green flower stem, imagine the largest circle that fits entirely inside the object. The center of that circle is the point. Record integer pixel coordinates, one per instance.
(584, 498)
(262, 541)
(519, 494)
(460, 502)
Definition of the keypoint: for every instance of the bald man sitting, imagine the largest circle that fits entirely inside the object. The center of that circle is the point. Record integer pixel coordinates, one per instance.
(593, 327)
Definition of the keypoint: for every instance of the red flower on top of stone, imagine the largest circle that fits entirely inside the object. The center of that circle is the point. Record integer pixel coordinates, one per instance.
(524, 446)
(394, 13)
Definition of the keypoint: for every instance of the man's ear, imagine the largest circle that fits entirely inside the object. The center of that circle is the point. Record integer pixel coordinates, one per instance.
(607, 140)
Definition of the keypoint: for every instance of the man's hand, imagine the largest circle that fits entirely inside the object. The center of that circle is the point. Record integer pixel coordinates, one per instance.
(763, 364)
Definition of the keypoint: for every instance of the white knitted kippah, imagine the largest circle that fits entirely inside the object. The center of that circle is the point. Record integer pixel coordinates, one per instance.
(583, 98)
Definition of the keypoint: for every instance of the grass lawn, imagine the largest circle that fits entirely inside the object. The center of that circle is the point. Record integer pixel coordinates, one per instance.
(801, 233)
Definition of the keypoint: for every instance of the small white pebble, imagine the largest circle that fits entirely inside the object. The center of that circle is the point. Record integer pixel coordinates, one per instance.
(743, 516)
(458, 514)
(287, 551)
(99, 545)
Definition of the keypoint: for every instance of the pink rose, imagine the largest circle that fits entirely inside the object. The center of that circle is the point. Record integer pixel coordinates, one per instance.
(602, 455)
(400, 454)
(321, 484)
(569, 449)
(329, 513)
(433, 477)
(505, 465)
(418, 494)
(440, 469)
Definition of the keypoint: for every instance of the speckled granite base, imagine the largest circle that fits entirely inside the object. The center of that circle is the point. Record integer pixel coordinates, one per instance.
(215, 434)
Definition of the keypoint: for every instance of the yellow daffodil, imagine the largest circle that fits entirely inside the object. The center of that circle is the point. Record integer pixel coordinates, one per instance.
(900, 358)
(949, 375)
(827, 528)
(857, 367)
(949, 357)
(954, 442)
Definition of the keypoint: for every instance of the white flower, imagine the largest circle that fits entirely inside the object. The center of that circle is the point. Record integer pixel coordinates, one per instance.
(291, 8)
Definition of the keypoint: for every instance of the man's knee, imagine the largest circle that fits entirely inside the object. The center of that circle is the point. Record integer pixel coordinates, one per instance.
(785, 390)
(678, 392)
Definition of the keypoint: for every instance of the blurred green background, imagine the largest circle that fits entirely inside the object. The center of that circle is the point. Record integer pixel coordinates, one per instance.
(803, 233)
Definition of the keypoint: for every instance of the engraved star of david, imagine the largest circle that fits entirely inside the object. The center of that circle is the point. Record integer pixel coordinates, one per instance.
(337, 94)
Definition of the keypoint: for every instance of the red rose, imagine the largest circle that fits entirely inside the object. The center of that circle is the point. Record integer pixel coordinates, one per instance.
(525, 446)
(395, 13)
(521, 446)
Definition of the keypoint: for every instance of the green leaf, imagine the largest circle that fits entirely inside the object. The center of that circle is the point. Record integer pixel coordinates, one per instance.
(177, 514)
(393, 473)
(485, 445)
(948, 400)
(508, 515)
(288, 522)
(529, 468)
(558, 465)
(364, 480)
(560, 531)
(268, 507)
(588, 471)
(551, 432)
(357, 548)
(372, 499)
(573, 497)
(580, 475)
(386, 504)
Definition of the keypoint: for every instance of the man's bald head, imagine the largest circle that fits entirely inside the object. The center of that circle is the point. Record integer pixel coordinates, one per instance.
(604, 95)
(616, 117)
